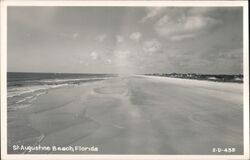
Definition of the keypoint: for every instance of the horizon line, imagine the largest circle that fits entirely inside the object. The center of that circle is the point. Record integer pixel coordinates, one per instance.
(123, 73)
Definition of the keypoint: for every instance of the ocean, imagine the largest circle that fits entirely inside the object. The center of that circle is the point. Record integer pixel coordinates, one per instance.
(23, 87)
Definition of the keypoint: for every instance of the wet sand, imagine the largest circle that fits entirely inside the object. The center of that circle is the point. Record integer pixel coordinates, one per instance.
(134, 115)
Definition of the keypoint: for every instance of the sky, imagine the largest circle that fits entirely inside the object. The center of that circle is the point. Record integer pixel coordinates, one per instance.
(133, 40)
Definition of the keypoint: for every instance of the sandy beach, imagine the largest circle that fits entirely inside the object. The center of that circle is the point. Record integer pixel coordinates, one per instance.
(133, 115)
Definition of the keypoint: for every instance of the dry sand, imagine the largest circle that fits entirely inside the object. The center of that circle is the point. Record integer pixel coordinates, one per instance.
(135, 115)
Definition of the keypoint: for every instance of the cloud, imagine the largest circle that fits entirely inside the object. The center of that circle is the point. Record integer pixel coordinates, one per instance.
(75, 35)
(119, 38)
(202, 10)
(223, 53)
(152, 12)
(94, 55)
(108, 61)
(65, 35)
(136, 36)
(185, 24)
(231, 54)
(101, 37)
(122, 53)
(152, 46)
(181, 37)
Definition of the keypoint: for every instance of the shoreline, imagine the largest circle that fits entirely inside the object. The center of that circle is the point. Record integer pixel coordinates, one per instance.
(184, 78)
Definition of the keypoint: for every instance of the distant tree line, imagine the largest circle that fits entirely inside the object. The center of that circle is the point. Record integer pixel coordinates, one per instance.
(210, 77)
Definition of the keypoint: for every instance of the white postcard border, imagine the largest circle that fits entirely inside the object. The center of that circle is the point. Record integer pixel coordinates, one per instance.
(5, 4)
